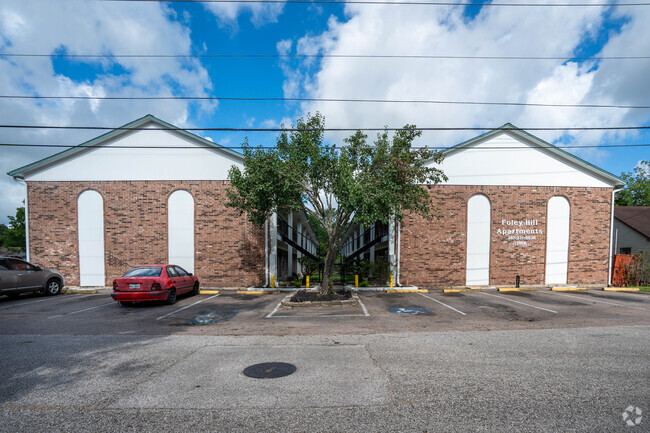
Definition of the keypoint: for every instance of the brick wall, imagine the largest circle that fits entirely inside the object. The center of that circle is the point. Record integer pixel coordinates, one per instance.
(433, 252)
(229, 251)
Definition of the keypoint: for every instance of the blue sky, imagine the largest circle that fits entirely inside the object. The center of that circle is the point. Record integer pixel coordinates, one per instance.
(82, 27)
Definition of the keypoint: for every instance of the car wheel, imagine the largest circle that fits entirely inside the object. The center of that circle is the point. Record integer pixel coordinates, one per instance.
(195, 290)
(53, 287)
(171, 298)
(126, 303)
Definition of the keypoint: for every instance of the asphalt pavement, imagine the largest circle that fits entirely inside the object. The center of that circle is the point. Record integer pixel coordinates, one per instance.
(534, 362)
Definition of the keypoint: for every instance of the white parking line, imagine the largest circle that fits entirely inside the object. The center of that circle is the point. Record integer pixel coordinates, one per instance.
(81, 311)
(322, 315)
(32, 302)
(518, 302)
(365, 310)
(442, 303)
(591, 299)
(188, 306)
(277, 307)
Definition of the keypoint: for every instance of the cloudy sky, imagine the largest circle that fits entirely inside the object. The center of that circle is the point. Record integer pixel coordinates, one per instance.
(48, 27)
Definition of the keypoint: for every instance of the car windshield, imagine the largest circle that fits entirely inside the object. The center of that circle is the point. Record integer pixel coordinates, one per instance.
(144, 271)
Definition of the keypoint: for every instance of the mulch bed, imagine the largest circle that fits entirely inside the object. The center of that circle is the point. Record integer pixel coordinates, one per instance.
(305, 296)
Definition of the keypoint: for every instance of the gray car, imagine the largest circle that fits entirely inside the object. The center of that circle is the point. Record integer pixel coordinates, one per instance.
(18, 276)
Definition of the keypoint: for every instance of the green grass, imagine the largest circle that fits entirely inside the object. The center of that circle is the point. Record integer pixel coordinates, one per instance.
(644, 289)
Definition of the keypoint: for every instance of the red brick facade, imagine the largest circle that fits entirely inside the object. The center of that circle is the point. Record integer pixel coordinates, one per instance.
(433, 253)
(229, 250)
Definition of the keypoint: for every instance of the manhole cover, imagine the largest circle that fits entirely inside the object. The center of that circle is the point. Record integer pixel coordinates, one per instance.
(416, 311)
(269, 370)
(209, 317)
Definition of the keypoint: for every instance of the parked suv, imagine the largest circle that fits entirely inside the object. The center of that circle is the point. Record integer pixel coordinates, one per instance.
(18, 276)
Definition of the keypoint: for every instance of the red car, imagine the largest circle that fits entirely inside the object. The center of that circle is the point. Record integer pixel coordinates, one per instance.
(154, 283)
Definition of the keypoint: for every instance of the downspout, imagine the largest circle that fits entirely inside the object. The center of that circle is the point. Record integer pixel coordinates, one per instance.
(399, 241)
(266, 253)
(17, 179)
(611, 235)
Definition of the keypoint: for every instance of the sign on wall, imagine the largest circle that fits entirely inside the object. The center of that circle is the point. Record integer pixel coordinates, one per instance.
(520, 232)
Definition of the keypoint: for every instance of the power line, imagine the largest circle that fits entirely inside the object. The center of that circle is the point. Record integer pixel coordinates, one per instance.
(223, 129)
(70, 146)
(279, 99)
(321, 56)
(389, 2)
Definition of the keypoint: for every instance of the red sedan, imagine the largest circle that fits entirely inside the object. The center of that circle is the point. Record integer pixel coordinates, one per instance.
(154, 283)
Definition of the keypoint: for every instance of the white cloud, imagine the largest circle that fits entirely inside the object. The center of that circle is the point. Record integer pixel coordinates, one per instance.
(228, 13)
(79, 27)
(494, 31)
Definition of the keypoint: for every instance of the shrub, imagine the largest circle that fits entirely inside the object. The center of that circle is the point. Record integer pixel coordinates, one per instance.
(364, 283)
(637, 272)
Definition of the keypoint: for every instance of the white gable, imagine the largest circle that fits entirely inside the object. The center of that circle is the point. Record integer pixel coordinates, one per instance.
(112, 161)
(507, 160)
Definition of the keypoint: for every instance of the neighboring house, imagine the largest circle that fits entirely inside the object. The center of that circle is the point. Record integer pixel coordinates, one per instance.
(513, 205)
(631, 229)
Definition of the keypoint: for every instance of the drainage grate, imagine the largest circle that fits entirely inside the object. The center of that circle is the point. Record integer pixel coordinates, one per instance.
(415, 311)
(270, 370)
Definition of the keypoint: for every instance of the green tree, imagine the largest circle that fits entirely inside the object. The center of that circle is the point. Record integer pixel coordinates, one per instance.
(637, 187)
(13, 237)
(359, 181)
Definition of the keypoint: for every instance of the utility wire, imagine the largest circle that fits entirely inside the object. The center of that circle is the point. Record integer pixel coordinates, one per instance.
(388, 2)
(161, 128)
(320, 56)
(279, 99)
(588, 146)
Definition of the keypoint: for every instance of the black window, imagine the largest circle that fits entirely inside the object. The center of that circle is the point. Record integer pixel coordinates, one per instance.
(180, 271)
(4, 266)
(144, 271)
(171, 272)
(626, 251)
(19, 265)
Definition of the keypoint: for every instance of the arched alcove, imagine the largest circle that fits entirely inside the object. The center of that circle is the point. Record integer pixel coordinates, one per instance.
(180, 208)
(90, 227)
(558, 218)
(478, 241)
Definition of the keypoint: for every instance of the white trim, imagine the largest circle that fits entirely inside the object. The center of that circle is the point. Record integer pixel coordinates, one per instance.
(611, 235)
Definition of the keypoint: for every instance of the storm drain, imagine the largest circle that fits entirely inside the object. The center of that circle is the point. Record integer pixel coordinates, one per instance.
(210, 317)
(269, 370)
(414, 311)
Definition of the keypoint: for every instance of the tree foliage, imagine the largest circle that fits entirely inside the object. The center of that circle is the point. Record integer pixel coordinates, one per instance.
(359, 181)
(12, 236)
(637, 187)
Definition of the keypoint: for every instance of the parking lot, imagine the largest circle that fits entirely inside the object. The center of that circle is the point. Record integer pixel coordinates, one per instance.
(229, 313)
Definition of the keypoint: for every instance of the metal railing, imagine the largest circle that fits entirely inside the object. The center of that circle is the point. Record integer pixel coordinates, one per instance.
(300, 240)
(365, 240)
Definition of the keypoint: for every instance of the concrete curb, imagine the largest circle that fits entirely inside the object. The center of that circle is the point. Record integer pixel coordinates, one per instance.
(75, 291)
(257, 292)
(569, 289)
(461, 290)
(209, 292)
(407, 291)
(517, 289)
(621, 289)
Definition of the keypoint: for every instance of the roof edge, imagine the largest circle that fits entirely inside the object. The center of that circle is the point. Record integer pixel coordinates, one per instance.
(509, 128)
(24, 170)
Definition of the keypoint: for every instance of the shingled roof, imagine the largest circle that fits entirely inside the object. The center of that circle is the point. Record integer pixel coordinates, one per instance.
(636, 217)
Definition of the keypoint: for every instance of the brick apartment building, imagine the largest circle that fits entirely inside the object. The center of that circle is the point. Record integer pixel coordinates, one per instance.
(151, 193)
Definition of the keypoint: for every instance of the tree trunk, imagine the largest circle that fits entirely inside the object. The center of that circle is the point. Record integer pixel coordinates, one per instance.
(330, 261)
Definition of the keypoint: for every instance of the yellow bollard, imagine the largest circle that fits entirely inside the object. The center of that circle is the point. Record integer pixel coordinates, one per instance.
(391, 281)
(307, 282)
(273, 281)
(356, 281)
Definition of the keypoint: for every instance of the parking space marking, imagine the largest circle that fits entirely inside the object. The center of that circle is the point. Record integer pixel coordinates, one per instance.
(81, 311)
(519, 302)
(277, 307)
(442, 303)
(32, 302)
(187, 306)
(363, 307)
(591, 299)
(272, 315)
